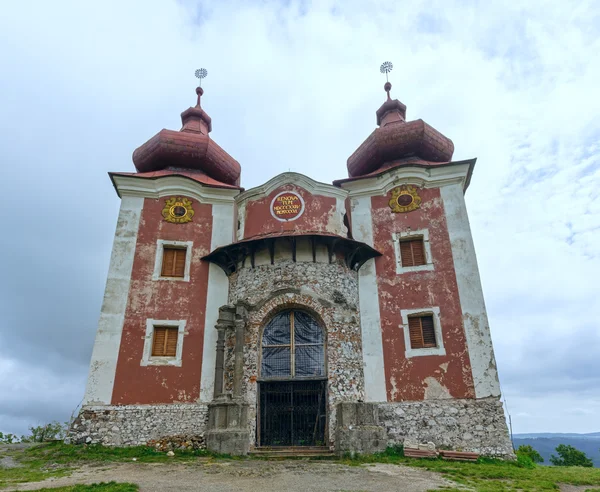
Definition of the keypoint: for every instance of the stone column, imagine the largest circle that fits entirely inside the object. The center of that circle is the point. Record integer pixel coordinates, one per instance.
(219, 362)
(238, 374)
(228, 414)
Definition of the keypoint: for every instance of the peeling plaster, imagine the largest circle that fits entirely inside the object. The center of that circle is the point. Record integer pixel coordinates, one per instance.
(434, 390)
(103, 365)
(475, 319)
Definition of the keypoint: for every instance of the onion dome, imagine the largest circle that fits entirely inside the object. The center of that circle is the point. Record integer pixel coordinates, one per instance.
(189, 148)
(396, 139)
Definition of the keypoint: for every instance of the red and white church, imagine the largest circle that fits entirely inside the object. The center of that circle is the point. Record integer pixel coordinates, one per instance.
(344, 317)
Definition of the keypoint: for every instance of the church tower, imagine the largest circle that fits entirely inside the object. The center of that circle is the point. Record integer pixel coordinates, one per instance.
(345, 317)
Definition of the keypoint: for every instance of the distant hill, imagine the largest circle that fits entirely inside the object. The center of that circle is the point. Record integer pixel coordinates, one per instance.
(545, 443)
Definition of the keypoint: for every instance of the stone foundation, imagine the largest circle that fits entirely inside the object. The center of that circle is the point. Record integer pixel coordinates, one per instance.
(462, 425)
(358, 429)
(132, 425)
(228, 426)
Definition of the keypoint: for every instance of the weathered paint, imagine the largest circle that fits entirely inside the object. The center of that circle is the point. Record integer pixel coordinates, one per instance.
(370, 318)
(481, 352)
(324, 207)
(164, 300)
(110, 326)
(417, 378)
(317, 212)
(217, 293)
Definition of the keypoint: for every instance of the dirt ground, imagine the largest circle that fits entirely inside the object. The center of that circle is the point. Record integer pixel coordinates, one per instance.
(251, 476)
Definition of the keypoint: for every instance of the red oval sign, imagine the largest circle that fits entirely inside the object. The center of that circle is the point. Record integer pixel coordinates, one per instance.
(287, 205)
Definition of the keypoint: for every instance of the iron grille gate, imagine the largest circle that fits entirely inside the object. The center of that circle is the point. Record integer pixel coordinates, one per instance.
(292, 413)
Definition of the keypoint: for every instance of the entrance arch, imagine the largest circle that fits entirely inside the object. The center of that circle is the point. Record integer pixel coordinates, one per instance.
(292, 386)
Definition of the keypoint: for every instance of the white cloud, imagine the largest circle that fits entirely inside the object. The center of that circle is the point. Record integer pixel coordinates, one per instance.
(294, 85)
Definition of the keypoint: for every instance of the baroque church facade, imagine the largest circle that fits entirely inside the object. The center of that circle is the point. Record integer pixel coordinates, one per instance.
(345, 316)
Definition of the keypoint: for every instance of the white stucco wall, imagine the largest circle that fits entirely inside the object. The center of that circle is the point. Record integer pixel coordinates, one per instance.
(368, 293)
(110, 326)
(217, 295)
(477, 330)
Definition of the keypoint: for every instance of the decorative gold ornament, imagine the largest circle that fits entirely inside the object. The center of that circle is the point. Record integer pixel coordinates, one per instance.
(404, 199)
(178, 210)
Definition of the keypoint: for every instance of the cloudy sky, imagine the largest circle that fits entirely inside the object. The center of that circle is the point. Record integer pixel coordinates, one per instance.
(294, 85)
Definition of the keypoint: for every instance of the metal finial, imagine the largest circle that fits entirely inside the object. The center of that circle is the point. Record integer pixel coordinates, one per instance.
(200, 74)
(386, 67)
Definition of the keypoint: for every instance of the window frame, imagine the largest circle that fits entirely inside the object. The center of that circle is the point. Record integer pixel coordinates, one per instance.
(434, 312)
(292, 346)
(423, 235)
(163, 360)
(160, 250)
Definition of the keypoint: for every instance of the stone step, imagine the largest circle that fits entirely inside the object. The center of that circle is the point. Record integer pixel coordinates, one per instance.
(292, 452)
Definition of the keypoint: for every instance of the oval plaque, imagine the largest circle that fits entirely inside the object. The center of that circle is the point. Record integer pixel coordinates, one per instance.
(287, 206)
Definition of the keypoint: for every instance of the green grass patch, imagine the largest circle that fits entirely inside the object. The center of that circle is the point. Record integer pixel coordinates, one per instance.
(58, 452)
(96, 487)
(56, 459)
(29, 469)
(491, 475)
(502, 476)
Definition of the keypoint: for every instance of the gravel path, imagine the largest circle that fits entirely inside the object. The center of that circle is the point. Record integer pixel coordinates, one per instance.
(253, 475)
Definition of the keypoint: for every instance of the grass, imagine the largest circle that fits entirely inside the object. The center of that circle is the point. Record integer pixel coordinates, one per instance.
(501, 476)
(55, 459)
(31, 469)
(490, 475)
(487, 475)
(60, 453)
(96, 487)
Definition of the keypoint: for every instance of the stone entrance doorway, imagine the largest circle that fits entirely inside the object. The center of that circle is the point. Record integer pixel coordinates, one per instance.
(292, 389)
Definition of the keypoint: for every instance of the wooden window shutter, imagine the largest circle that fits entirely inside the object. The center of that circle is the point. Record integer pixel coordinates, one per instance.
(412, 252)
(173, 264)
(428, 331)
(422, 332)
(164, 343)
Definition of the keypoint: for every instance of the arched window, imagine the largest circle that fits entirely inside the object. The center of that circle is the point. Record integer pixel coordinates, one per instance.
(293, 347)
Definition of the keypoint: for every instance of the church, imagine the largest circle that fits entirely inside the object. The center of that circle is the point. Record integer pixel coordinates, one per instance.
(345, 317)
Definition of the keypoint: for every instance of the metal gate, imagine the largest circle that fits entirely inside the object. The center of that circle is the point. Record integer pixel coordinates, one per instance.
(293, 385)
(292, 413)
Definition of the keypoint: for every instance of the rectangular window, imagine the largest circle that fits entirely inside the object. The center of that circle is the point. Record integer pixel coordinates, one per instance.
(422, 332)
(412, 253)
(164, 343)
(173, 262)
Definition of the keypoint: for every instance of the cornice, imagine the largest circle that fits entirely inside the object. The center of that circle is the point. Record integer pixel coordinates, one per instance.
(171, 185)
(297, 179)
(426, 177)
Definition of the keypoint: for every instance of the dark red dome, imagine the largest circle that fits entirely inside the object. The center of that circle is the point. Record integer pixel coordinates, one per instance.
(397, 139)
(189, 148)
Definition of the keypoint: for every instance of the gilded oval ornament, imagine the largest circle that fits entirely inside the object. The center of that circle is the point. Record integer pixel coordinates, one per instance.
(404, 199)
(178, 210)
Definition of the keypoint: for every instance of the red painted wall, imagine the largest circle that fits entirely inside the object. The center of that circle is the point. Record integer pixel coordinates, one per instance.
(164, 300)
(318, 213)
(405, 378)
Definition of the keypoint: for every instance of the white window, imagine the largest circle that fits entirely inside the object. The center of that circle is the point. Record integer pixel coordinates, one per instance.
(413, 252)
(431, 341)
(163, 343)
(179, 253)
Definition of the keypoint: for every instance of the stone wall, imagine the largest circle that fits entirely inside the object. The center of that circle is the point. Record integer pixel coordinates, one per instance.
(329, 291)
(462, 425)
(132, 425)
